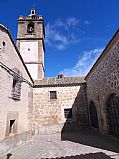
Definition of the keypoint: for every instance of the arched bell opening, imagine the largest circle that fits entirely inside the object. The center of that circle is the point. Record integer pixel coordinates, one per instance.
(30, 27)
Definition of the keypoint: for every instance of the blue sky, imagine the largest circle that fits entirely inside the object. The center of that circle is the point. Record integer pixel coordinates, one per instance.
(76, 30)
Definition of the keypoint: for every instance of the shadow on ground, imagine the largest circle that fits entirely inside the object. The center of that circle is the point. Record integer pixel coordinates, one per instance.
(99, 155)
(89, 137)
(72, 132)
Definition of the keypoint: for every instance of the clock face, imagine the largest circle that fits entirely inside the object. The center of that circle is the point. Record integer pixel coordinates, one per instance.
(30, 29)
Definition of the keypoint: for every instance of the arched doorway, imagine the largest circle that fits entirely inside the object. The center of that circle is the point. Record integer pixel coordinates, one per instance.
(93, 115)
(113, 114)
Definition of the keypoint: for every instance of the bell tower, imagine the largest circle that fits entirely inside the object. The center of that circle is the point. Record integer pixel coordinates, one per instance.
(30, 42)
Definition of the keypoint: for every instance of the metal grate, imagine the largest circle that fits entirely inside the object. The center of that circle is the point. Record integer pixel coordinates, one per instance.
(113, 115)
(16, 86)
(16, 90)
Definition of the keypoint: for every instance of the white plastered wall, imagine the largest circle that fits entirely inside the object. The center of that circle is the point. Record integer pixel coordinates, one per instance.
(29, 53)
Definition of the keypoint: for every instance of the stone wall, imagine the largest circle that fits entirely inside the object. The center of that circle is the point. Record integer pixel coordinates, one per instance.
(49, 112)
(0, 101)
(0, 82)
(103, 80)
(19, 111)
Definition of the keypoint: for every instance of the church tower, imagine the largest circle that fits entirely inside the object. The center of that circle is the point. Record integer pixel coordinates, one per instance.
(30, 42)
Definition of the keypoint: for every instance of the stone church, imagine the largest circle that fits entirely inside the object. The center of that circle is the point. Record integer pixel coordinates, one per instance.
(32, 104)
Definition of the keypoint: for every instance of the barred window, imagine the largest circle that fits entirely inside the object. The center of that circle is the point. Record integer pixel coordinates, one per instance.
(16, 86)
(53, 95)
(68, 113)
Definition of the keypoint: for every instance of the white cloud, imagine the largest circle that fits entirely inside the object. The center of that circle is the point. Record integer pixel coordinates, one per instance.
(62, 34)
(72, 21)
(61, 38)
(55, 39)
(83, 64)
(69, 22)
(59, 35)
(86, 22)
(60, 47)
(59, 23)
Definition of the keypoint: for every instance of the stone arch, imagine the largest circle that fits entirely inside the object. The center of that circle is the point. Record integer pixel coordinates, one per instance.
(93, 116)
(30, 27)
(112, 114)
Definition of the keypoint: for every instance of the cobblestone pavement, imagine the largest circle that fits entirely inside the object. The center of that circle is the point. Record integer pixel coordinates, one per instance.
(79, 145)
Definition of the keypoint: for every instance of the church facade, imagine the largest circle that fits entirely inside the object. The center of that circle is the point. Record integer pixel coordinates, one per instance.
(32, 104)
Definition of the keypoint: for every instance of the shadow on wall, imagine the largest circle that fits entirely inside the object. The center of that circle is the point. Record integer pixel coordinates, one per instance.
(78, 111)
(81, 133)
(99, 155)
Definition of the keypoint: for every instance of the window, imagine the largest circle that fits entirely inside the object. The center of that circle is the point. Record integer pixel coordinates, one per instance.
(12, 123)
(3, 43)
(11, 127)
(53, 95)
(16, 86)
(68, 113)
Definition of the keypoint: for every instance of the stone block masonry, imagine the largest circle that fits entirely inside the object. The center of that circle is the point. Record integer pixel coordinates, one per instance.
(102, 83)
(48, 111)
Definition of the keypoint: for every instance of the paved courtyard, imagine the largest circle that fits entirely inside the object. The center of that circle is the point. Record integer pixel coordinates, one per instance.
(84, 144)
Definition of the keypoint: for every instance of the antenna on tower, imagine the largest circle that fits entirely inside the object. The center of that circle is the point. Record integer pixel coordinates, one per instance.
(34, 6)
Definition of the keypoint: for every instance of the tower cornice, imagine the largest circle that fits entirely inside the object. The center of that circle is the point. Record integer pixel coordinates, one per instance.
(38, 18)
